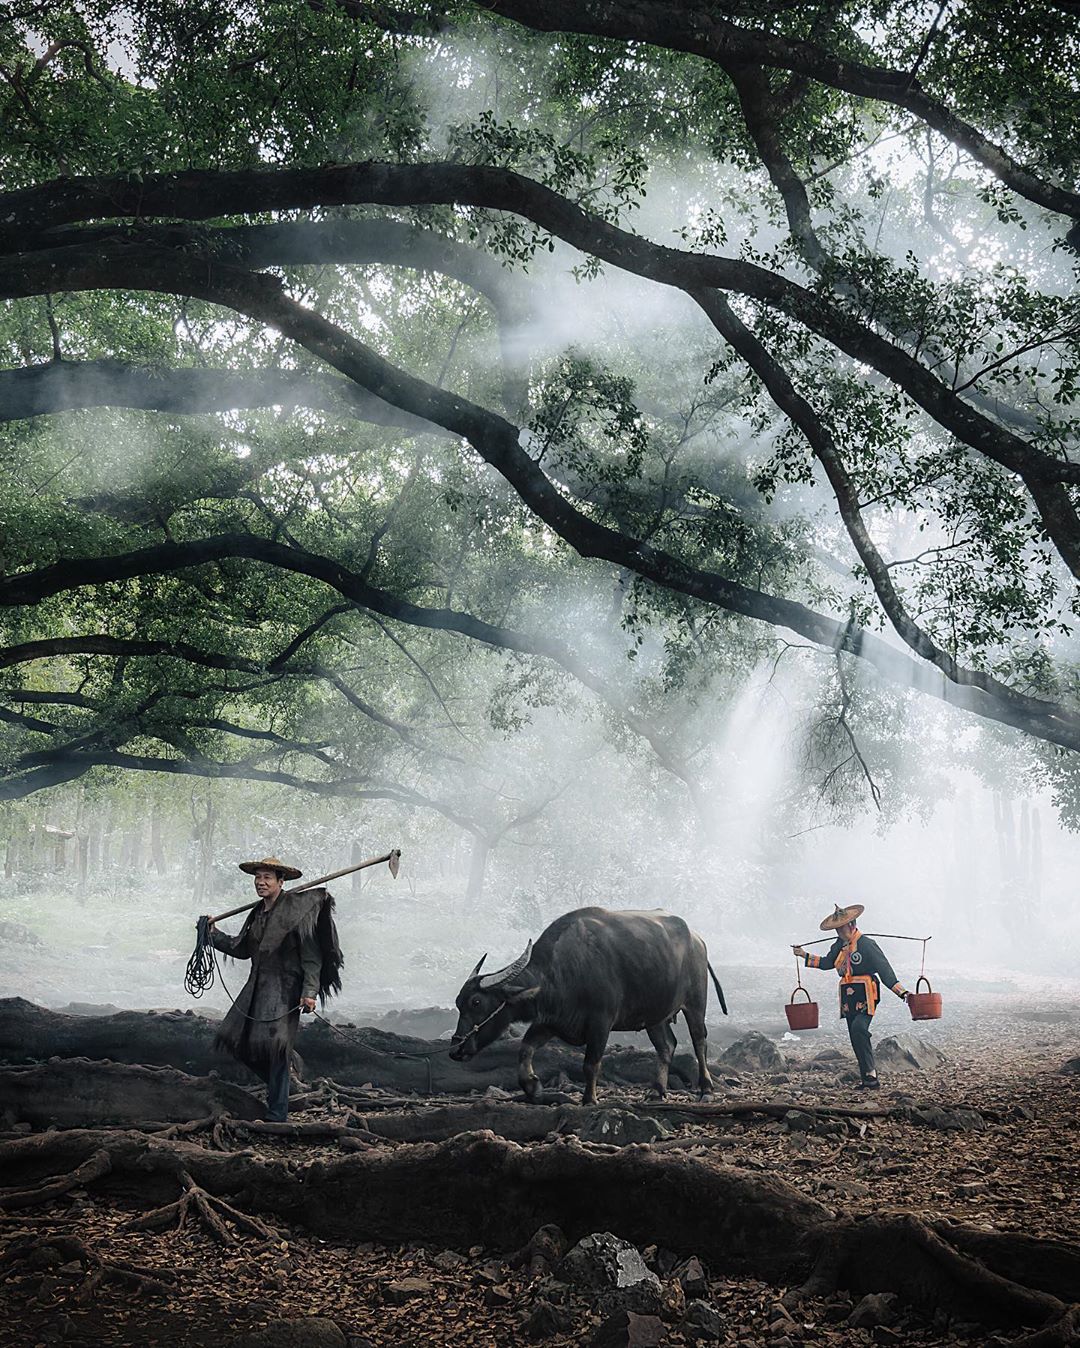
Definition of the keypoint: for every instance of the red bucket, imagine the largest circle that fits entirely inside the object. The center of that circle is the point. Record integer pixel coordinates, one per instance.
(803, 1015)
(924, 1005)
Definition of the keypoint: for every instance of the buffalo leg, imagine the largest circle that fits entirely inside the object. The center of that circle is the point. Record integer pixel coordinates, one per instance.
(536, 1036)
(695, 1023)
(663, 1040)
(596, 1037)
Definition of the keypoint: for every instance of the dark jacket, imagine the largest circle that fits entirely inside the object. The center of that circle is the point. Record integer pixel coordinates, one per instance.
(261, 1025)
(860, 981)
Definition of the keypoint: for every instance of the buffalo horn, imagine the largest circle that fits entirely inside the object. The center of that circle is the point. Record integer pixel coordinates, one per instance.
(505, 975)
(479, 965)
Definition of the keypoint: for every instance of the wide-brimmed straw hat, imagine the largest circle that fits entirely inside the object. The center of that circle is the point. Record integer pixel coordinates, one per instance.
(272, 864)
(839, 916)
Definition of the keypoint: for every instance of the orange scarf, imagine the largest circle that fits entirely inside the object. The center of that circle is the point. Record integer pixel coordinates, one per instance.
(843, 960)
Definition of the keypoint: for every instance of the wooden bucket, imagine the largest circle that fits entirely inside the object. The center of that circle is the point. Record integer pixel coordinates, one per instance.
(924, 1005)
(803, 1015)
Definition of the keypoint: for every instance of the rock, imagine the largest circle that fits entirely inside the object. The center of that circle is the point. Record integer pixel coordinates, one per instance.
(907, 1053)
(499, 1296)
(692, 1276)
(703, 1322)
(672, 1302)
(544, 1321)
(828, 1055)
(449, 1260)
(951, 1120)
(489, 1274)
(1070, 1068)
(752, 1053)
(666, 1262)
(624, 1329)
(603, 1262)
(312, 1331)
(406, 1289)
(798, 1121)
(848, 1188)
(545, 1248)
(878, 1308)
(618, 1127)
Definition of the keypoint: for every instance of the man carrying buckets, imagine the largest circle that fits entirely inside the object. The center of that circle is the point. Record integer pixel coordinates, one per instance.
(860, 962)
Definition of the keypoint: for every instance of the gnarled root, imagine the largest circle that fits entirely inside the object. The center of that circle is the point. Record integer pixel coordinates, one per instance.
(94, 1167)
(98, 1270)
(213, 1212)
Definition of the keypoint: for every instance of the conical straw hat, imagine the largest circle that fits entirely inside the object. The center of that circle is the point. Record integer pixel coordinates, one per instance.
(839, 916)
(272, 864)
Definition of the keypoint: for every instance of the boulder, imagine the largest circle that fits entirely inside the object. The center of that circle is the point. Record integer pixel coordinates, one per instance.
(950, 1120)
(624, 1329)
(752, 1053)
(544, 1321)
(878, 1308)
(1070, 1068)
(907, 1053)
(618, 1127)
(603, 1263)
(312, 1331)
(703, 1323)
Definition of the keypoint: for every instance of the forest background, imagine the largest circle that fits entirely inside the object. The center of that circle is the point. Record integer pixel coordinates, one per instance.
(618, 453)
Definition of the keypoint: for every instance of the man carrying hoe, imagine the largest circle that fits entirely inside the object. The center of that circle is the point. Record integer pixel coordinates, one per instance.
(860, 962)
(292, 944)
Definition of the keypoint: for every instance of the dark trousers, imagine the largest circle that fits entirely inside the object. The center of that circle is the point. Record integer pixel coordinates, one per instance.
(858, 1028)
(277, 1091)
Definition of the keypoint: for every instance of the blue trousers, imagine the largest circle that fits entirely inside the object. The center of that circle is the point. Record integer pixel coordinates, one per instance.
(858, 1028)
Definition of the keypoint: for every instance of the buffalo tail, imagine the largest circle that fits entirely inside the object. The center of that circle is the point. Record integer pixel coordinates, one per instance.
(719, 989)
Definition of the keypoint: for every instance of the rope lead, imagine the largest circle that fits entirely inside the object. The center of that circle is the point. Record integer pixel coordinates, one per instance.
(199, 974)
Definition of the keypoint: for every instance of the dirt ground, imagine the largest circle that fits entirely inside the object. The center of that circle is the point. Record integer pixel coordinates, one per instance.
(1019, 1172)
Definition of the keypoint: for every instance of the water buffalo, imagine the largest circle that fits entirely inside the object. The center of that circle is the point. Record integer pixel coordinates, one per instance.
(593, 971)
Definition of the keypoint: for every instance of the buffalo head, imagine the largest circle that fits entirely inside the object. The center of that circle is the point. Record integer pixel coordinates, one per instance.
(488, 1003)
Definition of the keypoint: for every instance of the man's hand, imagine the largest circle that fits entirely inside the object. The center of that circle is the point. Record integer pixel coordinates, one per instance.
(308, 1003)
(798, 951)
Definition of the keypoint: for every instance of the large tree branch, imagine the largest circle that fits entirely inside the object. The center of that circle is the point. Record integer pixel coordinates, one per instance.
(68, 767)
(128, 264)
(1046, 720)
(62, 386)
(498, 442)
(803, 415)
(699, 30)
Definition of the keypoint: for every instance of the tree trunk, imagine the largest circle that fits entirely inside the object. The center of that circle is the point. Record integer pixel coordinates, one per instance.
(355, 857)
(478, 860)
(157, 846)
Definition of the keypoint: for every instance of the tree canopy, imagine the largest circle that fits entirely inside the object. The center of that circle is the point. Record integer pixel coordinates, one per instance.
(345, 342)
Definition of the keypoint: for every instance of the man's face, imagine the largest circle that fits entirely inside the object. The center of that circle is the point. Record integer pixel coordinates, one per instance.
(267, 884)
(843, 932)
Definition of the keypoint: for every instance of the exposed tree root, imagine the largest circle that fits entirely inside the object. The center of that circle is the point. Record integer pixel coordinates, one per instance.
(94, 1167)
(1063, 1333)
(98, 1270)
(209, 1209)
(477, 1188)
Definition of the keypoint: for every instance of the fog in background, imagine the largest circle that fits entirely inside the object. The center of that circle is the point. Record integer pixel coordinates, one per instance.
(987, 872)
(103, 884)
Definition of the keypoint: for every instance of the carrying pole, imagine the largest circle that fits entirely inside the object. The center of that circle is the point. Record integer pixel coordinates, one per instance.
(885, 936)
(393, 857)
